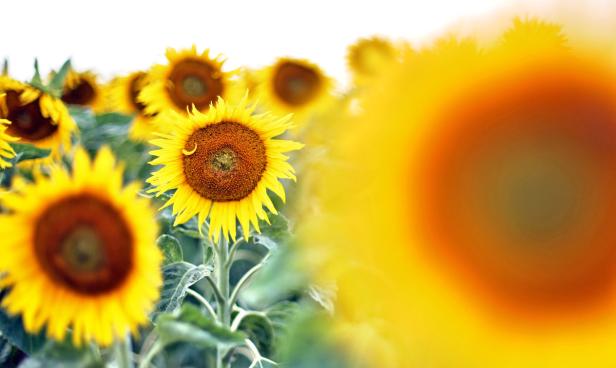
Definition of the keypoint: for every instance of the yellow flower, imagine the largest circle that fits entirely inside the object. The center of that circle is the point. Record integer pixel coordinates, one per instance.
(79, 252)
(468, 214)
(123, 92)
(190, 78)
(221, 164)
(369, 57)
(6, 151)
(294, 86)
(83, 89)
(36, 117)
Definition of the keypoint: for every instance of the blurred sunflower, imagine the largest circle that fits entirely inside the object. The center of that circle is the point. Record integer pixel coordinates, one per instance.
(189, 78)
(483, 225)
(80, 252)
(221, 164)
(368, 57)
(123, 92)
(83, 89)
(36, 117)
(6, 151)
(294, 86)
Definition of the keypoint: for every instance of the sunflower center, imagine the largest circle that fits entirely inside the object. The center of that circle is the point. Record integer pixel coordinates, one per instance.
(194, 86)
(82, 250)
(228, 161)
(84, 243)
(224, 160)
(27, 121)
(194, 82)
(296, 84)
(135, 89)
(519, 187)
(83, 93)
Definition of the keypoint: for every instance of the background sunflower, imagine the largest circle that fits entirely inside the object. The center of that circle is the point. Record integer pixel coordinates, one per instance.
(80, 253)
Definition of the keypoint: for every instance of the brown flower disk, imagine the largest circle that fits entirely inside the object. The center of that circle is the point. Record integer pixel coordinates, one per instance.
(27, 121)
(84, 243)
(228, 161)
(81, 94)
(194, 82)
(296, 84)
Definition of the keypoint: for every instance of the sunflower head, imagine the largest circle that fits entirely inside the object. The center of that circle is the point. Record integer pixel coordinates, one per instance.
(189, 78)
(368, 57)
(123, 97)
(221, 164)
(294, 86)
(486, 204)
(83, 89)
(36, 117)
(80, 252)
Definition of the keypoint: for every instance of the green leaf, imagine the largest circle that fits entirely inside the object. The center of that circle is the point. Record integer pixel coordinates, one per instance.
(171, 248)
(5, 67)
(113, 118)
(260, 331)
(56, 85)
(83, 116)
(63, 355)
(25, 152)
(13, 330)
(281, 277)
(278, 230)
(36, 78)
(190, 325)
(178, 277)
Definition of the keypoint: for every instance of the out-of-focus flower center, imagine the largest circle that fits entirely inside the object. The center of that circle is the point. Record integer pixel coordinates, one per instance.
(84, 243)
(27, 120)
(296, 84)
(194, 82)
(518, 187)
(83, 93)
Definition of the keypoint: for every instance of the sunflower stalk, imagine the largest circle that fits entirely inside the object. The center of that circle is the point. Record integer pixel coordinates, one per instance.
(123, 353)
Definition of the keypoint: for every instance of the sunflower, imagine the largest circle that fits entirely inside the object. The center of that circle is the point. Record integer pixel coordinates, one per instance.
(123, 92)
(190, 78)
(83, 89)
(80, 252)
(6, 151)
(36, 117)
(482, 232)
(221, 164)
(368, 57)
(294, 86)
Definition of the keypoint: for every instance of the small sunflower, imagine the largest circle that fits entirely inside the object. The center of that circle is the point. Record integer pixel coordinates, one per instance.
(368, 57)
(6, 151)
(123, 92)
(36, 117)
(190, 78)
(483, 227)
(294, 86)
(83, 89)
(222, 164)
(79, 252)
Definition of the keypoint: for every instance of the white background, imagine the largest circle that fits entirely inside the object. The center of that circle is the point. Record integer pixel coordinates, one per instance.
(117, 36)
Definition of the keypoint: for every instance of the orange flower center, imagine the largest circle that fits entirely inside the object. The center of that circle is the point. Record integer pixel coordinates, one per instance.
(227, 163)
(195, 82)
(518, 186)
(296, 84)
(84, 243)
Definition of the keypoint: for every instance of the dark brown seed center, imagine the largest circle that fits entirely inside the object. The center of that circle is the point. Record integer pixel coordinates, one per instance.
(84, 243)
(27, 120)
(296, 84)
(82, 94)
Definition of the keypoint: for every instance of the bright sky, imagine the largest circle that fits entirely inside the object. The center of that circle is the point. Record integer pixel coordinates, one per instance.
(123, 35)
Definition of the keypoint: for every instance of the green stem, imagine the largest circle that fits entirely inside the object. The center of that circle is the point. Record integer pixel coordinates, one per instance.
(123, 353)
(155, 349)
(222, 282)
